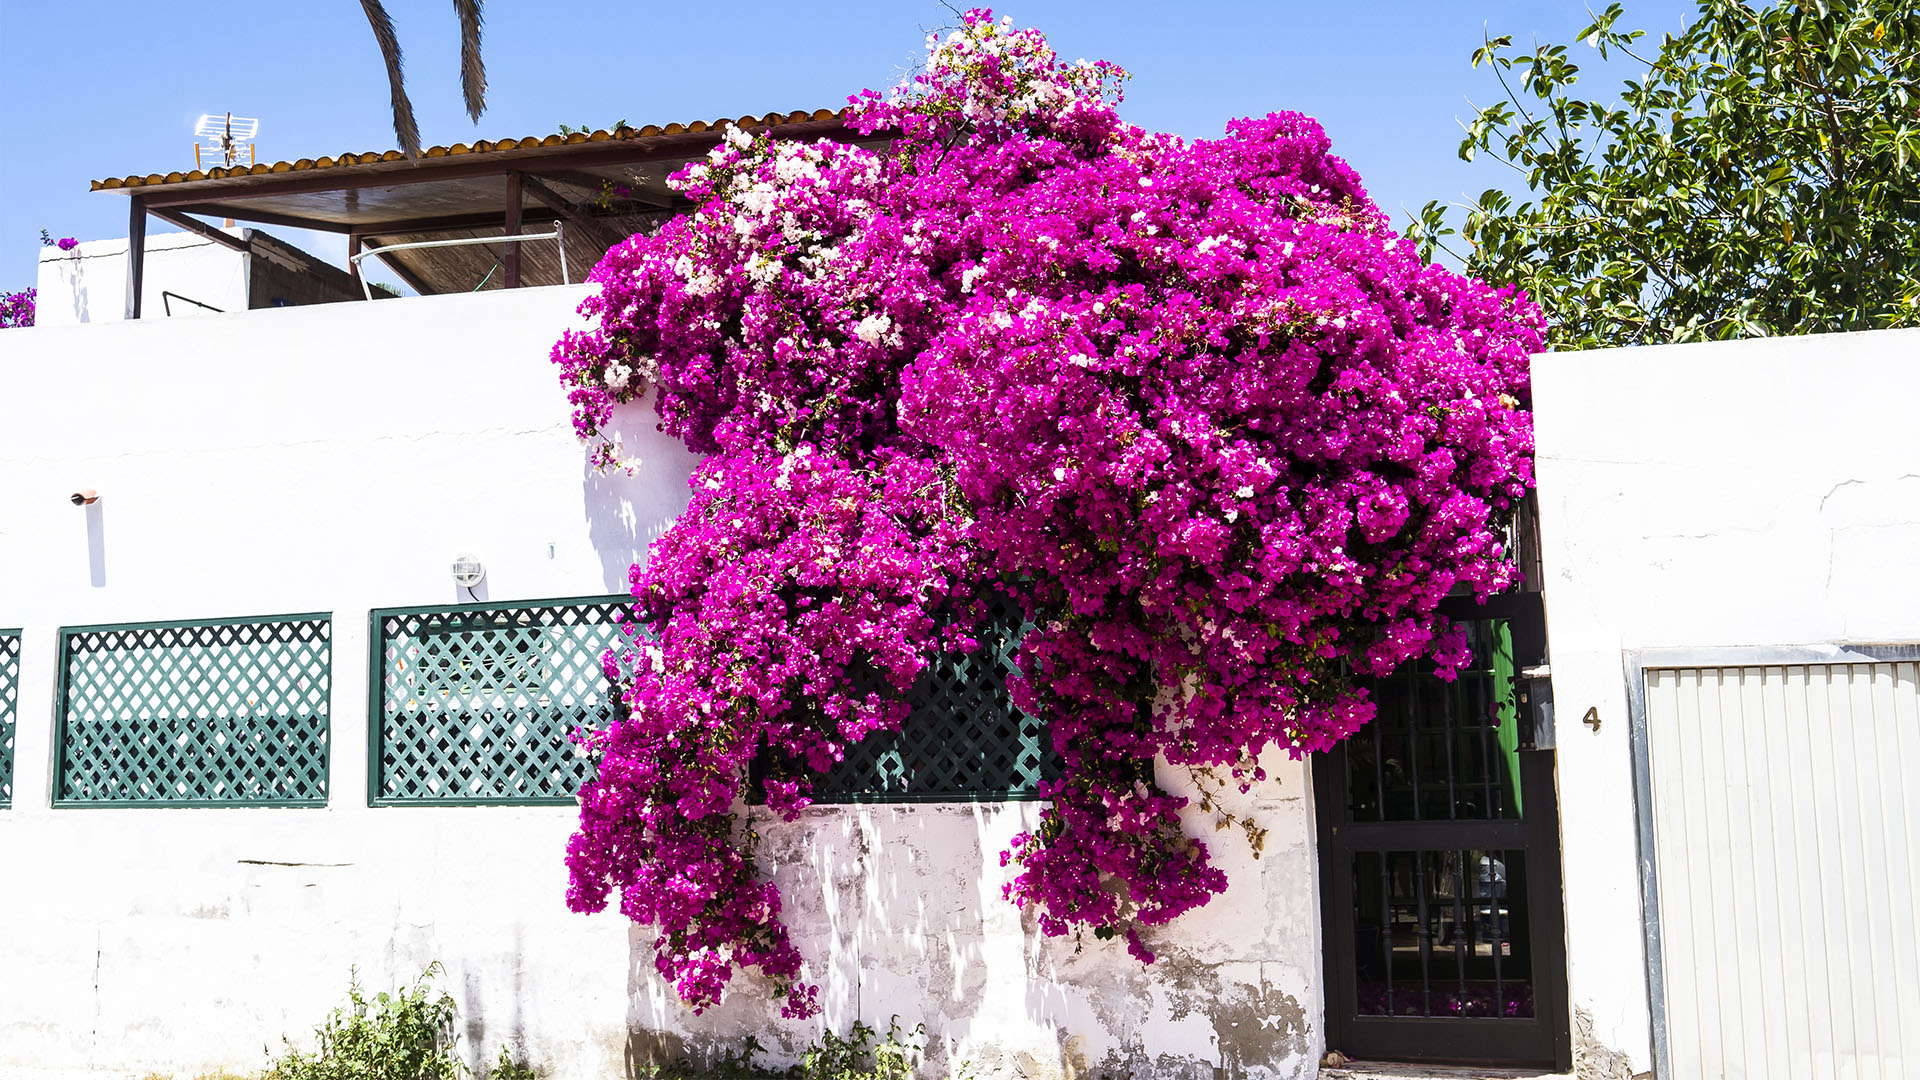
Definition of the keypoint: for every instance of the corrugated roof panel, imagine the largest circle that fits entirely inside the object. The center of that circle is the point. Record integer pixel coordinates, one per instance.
(478, 146)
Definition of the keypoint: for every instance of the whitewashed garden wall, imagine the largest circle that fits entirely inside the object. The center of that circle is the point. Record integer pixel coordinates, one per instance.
(336, 459)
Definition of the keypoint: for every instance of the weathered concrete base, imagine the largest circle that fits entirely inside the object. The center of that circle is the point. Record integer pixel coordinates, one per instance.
(1592, 1059)
(1362, 1070)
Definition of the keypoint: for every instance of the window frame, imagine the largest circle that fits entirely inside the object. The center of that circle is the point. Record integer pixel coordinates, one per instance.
(377, 689)
(12, 649)
(933, 714)
(63, 709)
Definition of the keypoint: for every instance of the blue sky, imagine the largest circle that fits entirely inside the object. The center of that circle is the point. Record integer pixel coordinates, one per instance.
(111, 87)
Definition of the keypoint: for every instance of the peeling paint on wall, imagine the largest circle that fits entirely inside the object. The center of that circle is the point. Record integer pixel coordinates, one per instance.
(899, 912)
(1592, 1059)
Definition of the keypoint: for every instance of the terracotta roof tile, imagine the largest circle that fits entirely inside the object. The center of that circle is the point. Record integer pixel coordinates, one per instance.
(478, 146)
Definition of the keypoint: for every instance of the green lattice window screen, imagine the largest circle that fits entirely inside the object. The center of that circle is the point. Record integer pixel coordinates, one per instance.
(216, 713)
(478, 704)
(9, 709)
(964, 741)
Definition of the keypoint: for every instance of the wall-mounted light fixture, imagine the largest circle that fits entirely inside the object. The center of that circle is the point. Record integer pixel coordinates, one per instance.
(467, 571)
(84, 497)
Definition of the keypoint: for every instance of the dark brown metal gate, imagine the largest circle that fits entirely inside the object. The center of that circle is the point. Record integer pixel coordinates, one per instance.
(1440, 873)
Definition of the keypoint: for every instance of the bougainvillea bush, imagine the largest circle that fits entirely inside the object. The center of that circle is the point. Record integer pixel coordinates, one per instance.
(16, 308)
(1193, 406)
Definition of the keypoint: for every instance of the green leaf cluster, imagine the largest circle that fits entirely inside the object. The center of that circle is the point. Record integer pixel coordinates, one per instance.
(863, 1054)
(584, 129)
(405, 1035)
(1760, 175)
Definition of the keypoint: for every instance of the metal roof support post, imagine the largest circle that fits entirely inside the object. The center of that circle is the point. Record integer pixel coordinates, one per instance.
(136, 254)
(510, 263)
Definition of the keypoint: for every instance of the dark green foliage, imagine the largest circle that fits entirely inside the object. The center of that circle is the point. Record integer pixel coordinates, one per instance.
(1759, 175)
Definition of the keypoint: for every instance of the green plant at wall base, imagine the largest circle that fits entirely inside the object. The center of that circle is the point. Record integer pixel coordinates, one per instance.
(860, 1057)
(505, 1068)
(1759, 175)
(863, 1054)
(404, 1035)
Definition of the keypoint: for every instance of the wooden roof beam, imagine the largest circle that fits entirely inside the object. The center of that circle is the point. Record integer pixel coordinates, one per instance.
(450, 222)
(455, 167)
(669, 201)
(200, 228)
(599, 233)
(243, 212)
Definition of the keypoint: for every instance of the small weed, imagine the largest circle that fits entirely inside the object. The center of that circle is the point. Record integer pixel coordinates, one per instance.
(408, 1037)
(505, 1068)
(861, 1055)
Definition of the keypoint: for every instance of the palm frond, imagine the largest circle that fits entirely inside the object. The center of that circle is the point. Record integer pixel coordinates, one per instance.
(473, 72)
(404, 127)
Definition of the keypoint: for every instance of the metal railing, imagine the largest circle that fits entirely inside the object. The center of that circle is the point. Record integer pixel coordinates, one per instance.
(167, 297)
(559, 235)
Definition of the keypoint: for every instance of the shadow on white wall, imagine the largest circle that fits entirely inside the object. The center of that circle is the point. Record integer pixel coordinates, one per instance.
(627, 512)
(96, 546)
(898, 911)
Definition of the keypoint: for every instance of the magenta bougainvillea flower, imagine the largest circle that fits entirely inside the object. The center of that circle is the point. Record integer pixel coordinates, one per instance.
(16, 308)
(1194, 406)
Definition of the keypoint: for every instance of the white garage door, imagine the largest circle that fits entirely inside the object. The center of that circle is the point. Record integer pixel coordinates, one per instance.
(1786, 811)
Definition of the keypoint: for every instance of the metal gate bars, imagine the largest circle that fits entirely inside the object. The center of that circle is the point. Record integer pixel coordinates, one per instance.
(1440, 874)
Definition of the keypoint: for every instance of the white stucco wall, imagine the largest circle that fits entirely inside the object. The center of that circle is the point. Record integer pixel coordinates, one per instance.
(337, 458)
(1749, 493)
(89, 283)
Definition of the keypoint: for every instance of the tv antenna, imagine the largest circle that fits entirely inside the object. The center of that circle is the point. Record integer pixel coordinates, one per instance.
(223, 141)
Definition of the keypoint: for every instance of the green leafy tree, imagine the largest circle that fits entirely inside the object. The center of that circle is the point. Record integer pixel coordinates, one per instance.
(1759, 174)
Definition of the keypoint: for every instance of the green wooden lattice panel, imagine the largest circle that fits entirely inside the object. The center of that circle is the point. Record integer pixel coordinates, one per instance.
(478, 705)
(214, 713)
(9, 709)
(963, 741)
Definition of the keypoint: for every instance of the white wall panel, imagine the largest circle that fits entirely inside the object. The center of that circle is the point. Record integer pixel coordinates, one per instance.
(1785, 814)
(1758, 494)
